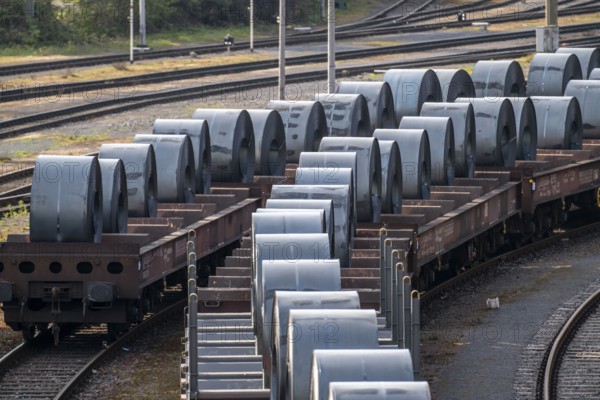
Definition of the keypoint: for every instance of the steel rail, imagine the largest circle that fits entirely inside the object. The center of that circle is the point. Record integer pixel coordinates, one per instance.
(561, 342)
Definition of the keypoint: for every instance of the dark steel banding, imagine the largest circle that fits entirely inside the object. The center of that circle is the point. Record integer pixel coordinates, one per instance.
(269, 136)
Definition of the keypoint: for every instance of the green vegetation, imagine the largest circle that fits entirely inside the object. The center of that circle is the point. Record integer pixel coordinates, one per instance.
(15, 220)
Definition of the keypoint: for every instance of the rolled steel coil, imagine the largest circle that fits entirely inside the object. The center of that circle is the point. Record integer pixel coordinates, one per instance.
(416, 160)
(559, 122)
(455, 83)
(391, 177)
(337, 329)
(501, 78)
(326, 222)
(302, 276)
(345, 114)
(463, 121)
(587, 93)
(66, 200)
(385, 365)
(297, 204)
(496, 131)
(441, 132)
(305, 125)
(328, 165)
(140, 169)
(379, 100)
(595, 74)
(283, 302)
(526, 124)
(176, 172)
(589, 58)
(342, 200)
(379, 391)
(411, 88)
(368, 175)
(549, 73)
(114, 196)
(269, 136)
(286, 247)
(197, 131)
(232, 142)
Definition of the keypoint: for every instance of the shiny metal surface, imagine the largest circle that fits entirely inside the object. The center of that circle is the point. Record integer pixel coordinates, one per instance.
(391, 177)
(498, 78)
(114, 196)
(587, 93)
(379, 100)
(589, 58)
(416, 159)
(379, 391)
(175, 169)
(441, 133)
(549, 73)
(66, 200)
(305, 125)
(411, 88)
(559, 122)
(140, 169)
(232, 142)
(526, 124)
(346, 114)
(197, 131)
(463, 122)
(269, 136)
(455, 83)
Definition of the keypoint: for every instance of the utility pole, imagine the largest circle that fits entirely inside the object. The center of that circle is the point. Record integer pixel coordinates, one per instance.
(131, 31)
(331, 47)
(251, 10)
(281, 49)
(30, 8)
(142, 44)
(547, 37)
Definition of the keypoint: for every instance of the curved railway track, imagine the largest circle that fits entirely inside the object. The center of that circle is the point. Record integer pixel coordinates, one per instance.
(573, 365)
(40, 370)
(384, 26)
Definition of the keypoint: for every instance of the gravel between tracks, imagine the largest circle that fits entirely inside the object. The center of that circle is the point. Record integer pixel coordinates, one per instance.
(472, 352)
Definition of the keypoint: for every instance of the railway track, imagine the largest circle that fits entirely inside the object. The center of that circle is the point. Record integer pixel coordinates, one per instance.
(573, 364)
(385, 26)
(67, 90)
(42, 370)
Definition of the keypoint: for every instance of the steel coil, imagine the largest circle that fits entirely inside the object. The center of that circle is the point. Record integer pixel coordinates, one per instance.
(345, 114)
(386, 365)
(416, 160)
(287, 247)
(411, 88)
(305, 125)
(197, 131)
(283, 302)
(326, 166)
(589, 58)
(342, 200)
(379, 391)
(269, 137)
(302, 276)
(297, 204)
(336, 329)
(391, 177)
(455, 83)
(549, 73)
(232, 142)
(325, 176)
(66, 200)
(587, 93)
(501, 78)
(368, 173)
(463, 121)
(379, 100)
(440, 132)
(496, 131)
(595, 74)
(526, 124)
(559, 122)
(176, 172)
(114, 196)
(140, 168)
